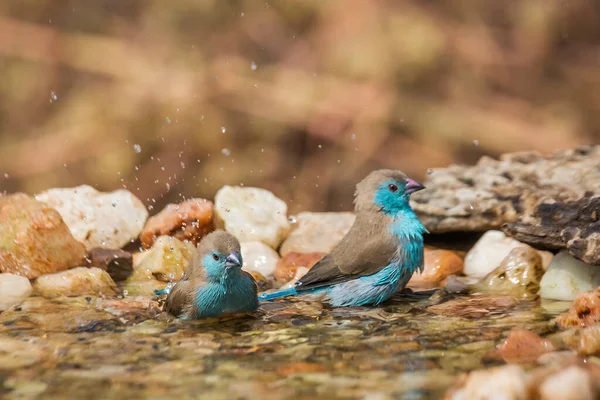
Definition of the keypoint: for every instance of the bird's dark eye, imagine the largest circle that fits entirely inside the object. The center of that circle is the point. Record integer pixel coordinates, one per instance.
(393, 188)
(215, 257)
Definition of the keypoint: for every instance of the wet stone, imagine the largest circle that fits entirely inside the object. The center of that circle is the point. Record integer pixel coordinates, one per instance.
(13, 290)
(439, 265)
(34, 239)
(76, 282)
(259, 257)
(118, 263)
(567, 277)
(475, 306)
(252, 214)
(317, 232)
(289, 266)
(585, 311)
(109, 220)
(523, 346)
(190, 220)
(518, 275)
(165, 262)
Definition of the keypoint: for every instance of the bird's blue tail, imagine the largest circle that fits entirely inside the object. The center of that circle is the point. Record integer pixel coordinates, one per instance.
(278, 294)
(166, 290)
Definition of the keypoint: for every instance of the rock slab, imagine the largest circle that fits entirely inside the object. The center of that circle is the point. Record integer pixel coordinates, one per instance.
(551, 202)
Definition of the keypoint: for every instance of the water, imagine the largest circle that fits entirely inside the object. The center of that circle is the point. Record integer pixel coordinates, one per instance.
(125, 348)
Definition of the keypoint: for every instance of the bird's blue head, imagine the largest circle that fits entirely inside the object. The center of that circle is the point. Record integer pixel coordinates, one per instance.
(386, 190)
(220, 255)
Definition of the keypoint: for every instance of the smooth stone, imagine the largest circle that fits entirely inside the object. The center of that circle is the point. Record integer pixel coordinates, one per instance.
(439, 265)
(317, 232)
(572, 383)
(567, 277)
(118, 263)
(165, 262)
(585, 311)
(190, 220)
(259, 257)
(108, 220)
(474, 307)
(252, 214)
(488, 253)
(518, 275)
(503, 383)
(34, 239)
(76, 282)
(524, 346)
(13, 290)
(287, 268)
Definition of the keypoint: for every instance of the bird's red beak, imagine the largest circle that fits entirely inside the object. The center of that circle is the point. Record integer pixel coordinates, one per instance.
(412, 186)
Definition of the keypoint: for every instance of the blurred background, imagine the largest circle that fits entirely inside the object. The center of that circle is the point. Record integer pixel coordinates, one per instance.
(174, 99)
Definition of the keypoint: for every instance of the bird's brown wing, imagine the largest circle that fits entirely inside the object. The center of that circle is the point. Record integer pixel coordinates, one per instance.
(180, 297)
(366, 249)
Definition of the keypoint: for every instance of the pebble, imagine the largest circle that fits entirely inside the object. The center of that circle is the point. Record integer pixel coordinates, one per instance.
(317, 232)
(165, 262)
(567, 277)
(502, 383)
(13, 290)
(572, 383)
(108, 220)
(585, 311)
(474, 307)
(118, 263)
(524, 346)
(190, 220)
(518, 275)
(488, 253)
(287, 268)
(78, 281)
(252, 214)
(259, 257)
(439, 265)
(34, 240)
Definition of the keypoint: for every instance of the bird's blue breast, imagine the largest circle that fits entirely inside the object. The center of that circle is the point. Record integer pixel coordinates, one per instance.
(235, 296)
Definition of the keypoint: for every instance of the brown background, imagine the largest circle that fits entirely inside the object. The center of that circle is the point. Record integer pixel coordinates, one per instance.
(338, 88)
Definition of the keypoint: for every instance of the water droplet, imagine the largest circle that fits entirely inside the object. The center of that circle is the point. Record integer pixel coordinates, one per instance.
(225, 151)
(429, 171)
(53, 97)
(292, 219)
(476, 143)
(6, 176)
(471, 206)
(125, 292)
(168, 121)
(354, 136)
(253, 66)
(182, 165)
(320, 146)
(223, 129)
(137, 148)
(162, 168)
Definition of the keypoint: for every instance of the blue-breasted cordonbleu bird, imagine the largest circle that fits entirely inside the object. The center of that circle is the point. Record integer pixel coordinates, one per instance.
(379, 254)
(214, 283)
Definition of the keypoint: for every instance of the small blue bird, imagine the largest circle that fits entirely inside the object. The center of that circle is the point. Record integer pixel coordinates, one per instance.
(214, 283)
(379, 254)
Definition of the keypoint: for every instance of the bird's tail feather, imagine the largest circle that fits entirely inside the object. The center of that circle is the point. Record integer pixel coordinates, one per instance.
(166, 290)
(278, 294)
